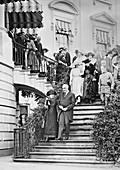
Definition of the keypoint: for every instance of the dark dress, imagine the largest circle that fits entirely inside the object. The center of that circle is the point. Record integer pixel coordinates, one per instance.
(88, 93)
(51, 119)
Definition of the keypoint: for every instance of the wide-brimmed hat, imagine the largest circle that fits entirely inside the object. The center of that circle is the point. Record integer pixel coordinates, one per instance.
(51, 92)
(79, 51)
(45, 50)
(91, 54)
(61, 48)
(20, 33)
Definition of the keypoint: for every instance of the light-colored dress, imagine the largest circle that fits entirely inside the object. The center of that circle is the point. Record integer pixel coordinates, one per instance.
(76, 80)
(104, 79)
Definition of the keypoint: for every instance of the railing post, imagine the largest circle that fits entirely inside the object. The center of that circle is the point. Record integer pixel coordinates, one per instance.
(26, 60)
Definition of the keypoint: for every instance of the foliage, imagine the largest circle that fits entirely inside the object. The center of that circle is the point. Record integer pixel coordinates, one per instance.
(106, 131)
(39, 116)
(27, 93)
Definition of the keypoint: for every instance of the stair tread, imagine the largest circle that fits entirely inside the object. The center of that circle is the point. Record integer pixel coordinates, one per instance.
(65, 141)
(79, 148)
(65, 147)
(61, 161)
(88, 107)
(62, 153)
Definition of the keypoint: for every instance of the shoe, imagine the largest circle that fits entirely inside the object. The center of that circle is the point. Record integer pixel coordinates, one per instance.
(66, 138)
(47, 139)
(59, 138)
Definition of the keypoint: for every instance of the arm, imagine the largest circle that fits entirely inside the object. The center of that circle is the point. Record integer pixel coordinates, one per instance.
(71, 77)
(112, 81)
(99, 85)
(33, 45)
(70, 106)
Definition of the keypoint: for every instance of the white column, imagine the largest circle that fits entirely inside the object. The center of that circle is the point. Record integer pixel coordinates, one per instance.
(5, 42)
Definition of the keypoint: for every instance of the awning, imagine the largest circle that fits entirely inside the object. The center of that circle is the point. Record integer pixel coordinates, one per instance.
(25, 20)
(8, 1)
(29, 88)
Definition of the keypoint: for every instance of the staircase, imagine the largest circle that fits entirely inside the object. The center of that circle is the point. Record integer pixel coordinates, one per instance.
(23, 77)
(79, 149)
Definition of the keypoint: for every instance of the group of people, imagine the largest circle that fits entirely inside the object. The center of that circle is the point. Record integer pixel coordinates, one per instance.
(92, 74)
(59, 114)
(35, 51)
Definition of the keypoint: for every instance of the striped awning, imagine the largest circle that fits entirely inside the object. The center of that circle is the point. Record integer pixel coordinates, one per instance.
(23, 15)
(8, 1)
(25, 19)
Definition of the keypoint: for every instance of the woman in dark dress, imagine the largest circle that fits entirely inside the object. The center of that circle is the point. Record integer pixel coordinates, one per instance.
(88, 93)
(92, 64)
(51, 116)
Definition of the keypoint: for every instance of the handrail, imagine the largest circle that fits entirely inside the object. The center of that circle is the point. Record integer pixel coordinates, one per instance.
(50, 59)
(25, 138)
(32, 119)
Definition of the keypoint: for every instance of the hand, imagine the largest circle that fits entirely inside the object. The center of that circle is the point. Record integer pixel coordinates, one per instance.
(112, 88)
(49, 103)
(87, 64)
(98, 92)
(65, 109)
(61, 107)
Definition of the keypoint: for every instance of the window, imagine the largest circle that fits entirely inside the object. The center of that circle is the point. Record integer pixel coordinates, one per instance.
(63, 32)
(102, 40)
(106, 2)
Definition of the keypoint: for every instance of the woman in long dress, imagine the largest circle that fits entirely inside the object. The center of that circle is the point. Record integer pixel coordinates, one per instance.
(33, 61)
(88, 92)
(76, 80)
(51, 116)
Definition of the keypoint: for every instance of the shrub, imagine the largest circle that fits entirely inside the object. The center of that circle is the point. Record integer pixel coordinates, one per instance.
(106, 132)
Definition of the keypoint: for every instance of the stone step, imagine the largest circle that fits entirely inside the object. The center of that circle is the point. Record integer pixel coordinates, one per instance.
(98, 163)
(51, 155)
(81, 126)
(80, 132)
(86, 112)
(83, 117)
(68, 143)
(48, 146)
(80, 137)
(74, 133)
(76, 123)
(82, 121)
(96, 103)
(59, 149)
(88, 107)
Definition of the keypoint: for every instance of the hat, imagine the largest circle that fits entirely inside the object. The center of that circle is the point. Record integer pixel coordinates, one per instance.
(51, 92)
(61, 48)
(115, 50)
(86, 55)
(31, 37)
(87, 68)
(86, 61)
(76, 51)
(45, 50)
(91, 53)
(79, 51)
(20, 33)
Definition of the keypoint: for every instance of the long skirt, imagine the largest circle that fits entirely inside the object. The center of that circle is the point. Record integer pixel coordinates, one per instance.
(77, 86)
(51, 122)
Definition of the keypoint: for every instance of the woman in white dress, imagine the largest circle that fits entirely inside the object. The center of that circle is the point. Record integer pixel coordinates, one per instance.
(76, 79)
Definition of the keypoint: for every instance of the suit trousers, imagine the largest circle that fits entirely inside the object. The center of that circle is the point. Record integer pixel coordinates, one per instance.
(64, 124)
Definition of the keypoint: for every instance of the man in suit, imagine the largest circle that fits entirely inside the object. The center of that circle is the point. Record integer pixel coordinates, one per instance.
(65, 111)
(67, 57)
